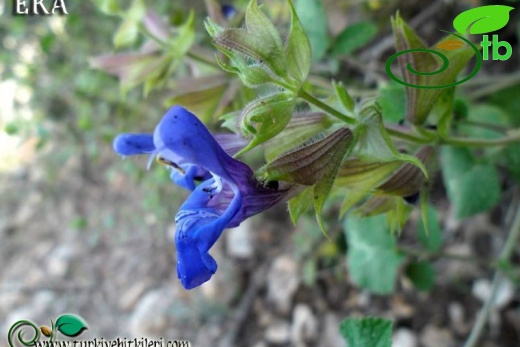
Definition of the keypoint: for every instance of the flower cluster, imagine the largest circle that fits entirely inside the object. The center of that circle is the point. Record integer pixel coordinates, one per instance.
(227, 194)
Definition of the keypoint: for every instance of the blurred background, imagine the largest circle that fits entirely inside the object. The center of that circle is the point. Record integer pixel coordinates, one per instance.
(83, 231)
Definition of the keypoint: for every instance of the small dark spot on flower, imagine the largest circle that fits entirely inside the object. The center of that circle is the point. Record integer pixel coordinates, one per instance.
(272, 185)
(198, 178)
(411, 199)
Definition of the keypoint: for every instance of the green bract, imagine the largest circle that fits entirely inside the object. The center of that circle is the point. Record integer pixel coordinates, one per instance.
(265, 117)
(297, 49)
(427, 71)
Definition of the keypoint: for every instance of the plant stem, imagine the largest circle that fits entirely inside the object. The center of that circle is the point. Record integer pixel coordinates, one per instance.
(497, 128)
(405, 135)
(201, 59)
(425, 254)
(507, 252)
(469, 142)
(330, 110)
(495, 85)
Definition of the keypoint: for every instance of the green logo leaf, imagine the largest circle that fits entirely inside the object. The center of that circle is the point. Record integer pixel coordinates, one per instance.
(70, 325)
(483, 19)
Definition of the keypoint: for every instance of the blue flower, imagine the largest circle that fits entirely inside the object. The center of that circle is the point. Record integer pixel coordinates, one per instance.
(227, 195)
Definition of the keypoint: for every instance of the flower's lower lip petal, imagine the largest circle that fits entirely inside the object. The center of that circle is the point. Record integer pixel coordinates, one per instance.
(193, 266)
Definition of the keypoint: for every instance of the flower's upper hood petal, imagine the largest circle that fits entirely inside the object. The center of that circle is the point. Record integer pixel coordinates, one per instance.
(180, 133)
(133, 144)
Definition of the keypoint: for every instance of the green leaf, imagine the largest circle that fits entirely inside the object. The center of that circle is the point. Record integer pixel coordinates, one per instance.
(430, 238)
(314, 20)
(70, 325)
(129, 29)
(126, 34)
(392, 99)
(472, 186)
(300, 204)
(354, 37)
(47, 42)
(298, 49)
(343, 96)
(367, 332)
(110, 7)
(512, 157)
(508, 100)
(309, 272)
(486, 114)
(185, 37)
(421, 274)
(200, 95)
(372, 258)
(482, 19)
(12, 128)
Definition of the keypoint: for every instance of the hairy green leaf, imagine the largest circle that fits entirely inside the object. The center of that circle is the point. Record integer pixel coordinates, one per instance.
(314, 20)
(472, 186)
(298, 49)
(421, 274)
(367, 332)
(354, 37)
(372, 258)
